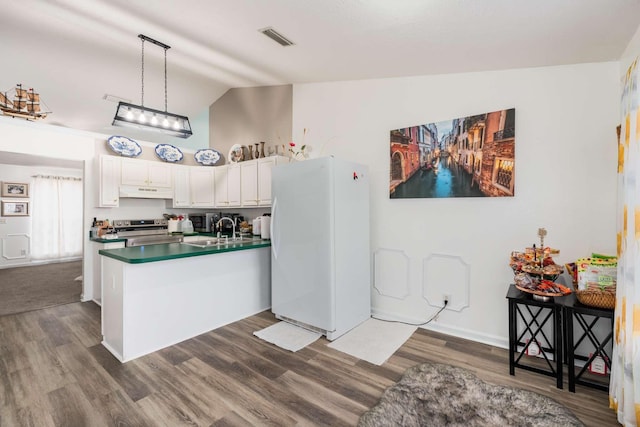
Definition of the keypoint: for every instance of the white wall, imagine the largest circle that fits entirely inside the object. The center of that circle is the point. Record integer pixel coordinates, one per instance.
(565, 181)
(247, 116)
(200, 129)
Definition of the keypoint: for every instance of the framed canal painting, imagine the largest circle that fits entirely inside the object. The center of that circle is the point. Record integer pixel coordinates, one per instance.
(470, 156)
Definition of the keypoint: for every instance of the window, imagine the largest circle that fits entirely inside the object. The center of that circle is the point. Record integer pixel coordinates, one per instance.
(56, 217)
(503, 174)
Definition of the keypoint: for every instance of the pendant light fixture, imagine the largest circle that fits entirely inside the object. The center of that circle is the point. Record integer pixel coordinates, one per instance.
(141, 117)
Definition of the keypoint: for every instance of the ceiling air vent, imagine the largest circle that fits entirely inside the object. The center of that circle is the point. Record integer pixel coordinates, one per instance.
(276, 36)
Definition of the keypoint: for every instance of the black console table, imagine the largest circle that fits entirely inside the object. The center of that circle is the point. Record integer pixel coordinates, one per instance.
(535, 314)
(583, 319)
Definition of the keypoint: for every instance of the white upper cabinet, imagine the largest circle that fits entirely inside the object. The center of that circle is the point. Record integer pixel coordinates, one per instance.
(202, 181)
(109, 185)
(249, 183)
(255, 180)
(264, 177)
(221, 191)
(145, 173)
(234, 185)
(227, 185)
(160, 174)
(181, 186)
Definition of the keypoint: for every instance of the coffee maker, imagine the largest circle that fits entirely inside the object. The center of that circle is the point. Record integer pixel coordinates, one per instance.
(213, 219)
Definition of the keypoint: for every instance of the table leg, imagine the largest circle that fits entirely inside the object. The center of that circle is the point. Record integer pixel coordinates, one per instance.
(558, 345)
(570, 351)
(512, 337)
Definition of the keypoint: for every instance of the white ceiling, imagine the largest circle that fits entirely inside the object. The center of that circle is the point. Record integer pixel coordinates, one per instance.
(75, 51)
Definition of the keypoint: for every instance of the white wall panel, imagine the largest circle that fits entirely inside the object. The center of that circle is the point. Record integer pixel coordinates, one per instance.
(16, 247)
(446, 275)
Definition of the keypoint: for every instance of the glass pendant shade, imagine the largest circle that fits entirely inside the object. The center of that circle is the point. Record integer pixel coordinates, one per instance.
(136, 116)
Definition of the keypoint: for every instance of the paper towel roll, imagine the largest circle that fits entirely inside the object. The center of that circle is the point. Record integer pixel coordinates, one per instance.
(172, 226)
(265, 227)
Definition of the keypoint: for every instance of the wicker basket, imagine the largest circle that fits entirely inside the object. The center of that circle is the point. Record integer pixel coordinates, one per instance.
(597, 298)
(593, 298)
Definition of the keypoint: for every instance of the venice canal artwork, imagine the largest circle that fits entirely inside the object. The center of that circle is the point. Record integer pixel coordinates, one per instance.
(471, 156)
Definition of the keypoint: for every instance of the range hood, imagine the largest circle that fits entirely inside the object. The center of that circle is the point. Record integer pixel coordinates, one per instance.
(136, 192)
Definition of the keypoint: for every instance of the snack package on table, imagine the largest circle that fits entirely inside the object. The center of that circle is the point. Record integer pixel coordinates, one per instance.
(598, 273)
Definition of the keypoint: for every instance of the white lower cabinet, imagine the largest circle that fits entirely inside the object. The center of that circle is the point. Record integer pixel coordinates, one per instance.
(97, 268)
(153, 305)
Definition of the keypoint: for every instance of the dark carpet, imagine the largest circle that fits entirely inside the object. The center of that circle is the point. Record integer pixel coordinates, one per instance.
(36, 287)
(434, 394)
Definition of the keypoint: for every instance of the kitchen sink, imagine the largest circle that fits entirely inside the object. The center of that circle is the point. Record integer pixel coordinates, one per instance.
(205, 243)
(214, 241)
(246, 239)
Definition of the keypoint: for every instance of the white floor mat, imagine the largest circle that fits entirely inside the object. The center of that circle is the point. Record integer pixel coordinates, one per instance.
(374, 340)
(287, 336)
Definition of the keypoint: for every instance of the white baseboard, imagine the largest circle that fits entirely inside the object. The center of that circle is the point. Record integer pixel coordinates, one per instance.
(436, 326)
(33, 263)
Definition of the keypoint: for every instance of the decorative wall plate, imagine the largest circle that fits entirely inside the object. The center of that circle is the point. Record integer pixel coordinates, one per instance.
(169, 153)
(235, 154)
(207, 156)
(124, 146)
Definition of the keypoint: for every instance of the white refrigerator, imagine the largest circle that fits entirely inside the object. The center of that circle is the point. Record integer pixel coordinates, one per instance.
(320, 254)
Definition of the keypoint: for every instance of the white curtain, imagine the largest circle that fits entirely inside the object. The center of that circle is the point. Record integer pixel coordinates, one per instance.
(56, 217)
(624, 390)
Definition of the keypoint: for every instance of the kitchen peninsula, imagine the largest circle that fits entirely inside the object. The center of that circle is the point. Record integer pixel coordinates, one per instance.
(158, 295)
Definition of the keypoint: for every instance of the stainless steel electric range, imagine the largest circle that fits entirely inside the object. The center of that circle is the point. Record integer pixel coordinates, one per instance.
(139, 232)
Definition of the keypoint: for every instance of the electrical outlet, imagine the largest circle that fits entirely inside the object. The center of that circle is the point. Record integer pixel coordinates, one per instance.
(447, 298)
(3, 221)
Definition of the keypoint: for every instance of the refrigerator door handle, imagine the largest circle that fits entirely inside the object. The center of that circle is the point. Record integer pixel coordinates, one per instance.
(274, 242)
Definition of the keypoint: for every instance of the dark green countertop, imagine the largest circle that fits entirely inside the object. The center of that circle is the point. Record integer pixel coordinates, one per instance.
(101, 240)
(167, 251)
(124, 239)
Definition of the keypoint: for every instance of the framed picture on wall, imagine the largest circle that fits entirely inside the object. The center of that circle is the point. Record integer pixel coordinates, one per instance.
(15, 208)
(15, 189)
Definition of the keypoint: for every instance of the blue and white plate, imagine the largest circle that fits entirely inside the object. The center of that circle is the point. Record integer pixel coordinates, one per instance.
(207, 156)
(169, 153)
(124, 146)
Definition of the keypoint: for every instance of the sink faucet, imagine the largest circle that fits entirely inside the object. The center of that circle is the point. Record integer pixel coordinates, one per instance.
(233, 224)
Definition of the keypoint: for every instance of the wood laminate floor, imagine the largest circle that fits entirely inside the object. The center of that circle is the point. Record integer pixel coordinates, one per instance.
(55, 372)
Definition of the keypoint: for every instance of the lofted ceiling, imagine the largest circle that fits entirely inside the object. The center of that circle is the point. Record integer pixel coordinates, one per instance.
(74, 52)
